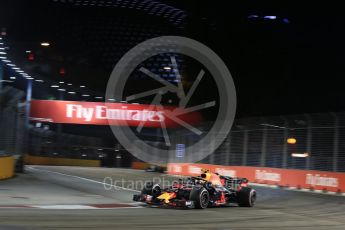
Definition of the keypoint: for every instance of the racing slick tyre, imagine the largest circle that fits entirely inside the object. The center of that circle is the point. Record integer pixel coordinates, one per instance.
(246, 197)
(200, 197)
(151, 189)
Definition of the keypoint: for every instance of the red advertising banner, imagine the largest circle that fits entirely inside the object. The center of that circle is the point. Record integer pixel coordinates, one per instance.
(300, 179)
(100, 113)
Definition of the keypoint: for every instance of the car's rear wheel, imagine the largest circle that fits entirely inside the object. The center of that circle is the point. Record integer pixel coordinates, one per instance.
(246, 197)
(200, 197)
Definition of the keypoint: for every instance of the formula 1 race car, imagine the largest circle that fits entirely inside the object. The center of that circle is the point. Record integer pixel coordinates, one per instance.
(200, 192)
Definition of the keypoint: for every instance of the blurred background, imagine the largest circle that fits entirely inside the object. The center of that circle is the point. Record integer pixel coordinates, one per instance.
(286, 61)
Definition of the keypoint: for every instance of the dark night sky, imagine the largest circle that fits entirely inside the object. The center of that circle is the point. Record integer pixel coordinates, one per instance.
(278, 68)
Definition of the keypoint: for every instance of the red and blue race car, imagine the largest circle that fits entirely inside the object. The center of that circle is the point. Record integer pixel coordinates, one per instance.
(207, 190)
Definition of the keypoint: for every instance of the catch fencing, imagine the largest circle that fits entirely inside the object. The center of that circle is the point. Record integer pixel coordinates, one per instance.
(13, 129)
(263, 142)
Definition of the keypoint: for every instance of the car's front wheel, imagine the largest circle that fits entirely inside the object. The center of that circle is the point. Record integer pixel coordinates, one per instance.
(200, 197)
(151, 189)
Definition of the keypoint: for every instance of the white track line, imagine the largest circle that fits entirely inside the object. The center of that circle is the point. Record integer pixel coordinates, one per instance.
(75, 207)
(59, 206)
(63, 207)
(86, 179)
(255, 184)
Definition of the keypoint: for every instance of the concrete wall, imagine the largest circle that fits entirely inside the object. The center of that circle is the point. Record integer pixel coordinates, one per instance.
(36, 160)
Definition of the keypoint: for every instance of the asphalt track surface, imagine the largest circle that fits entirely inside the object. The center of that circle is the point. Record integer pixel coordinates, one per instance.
(43, 185)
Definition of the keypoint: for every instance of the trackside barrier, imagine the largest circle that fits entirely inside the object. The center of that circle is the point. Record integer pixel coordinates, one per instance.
(144, 165)
(6, 167)
(36, 160)
(289, 178)
(140, 165)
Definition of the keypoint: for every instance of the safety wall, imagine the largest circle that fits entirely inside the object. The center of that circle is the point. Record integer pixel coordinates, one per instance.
(6, 167)
(144, 165)
(140, 165)
(300, 179)
(36, 160)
